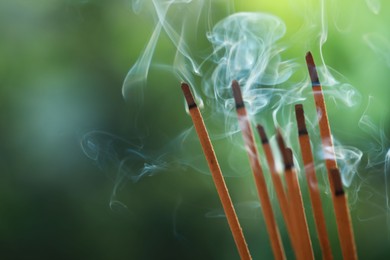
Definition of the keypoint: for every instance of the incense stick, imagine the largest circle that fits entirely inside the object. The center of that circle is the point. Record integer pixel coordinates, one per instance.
(340, 205)
(312, 183)
(216, 173)
(249, 141)
(343, 217)
(296, 202)
(326, 136)
(279, 189)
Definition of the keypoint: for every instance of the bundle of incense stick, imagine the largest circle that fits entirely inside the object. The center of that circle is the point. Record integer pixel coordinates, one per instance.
(341, 210)
(289, 197)
(254, 162)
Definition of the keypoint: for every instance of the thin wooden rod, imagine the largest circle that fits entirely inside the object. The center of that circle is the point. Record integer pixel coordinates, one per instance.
(295, 200)
(343, 217)
(322, 115)
(272, 228)
(216, 173)
(279, 189)
(330, 158)
(312, 183)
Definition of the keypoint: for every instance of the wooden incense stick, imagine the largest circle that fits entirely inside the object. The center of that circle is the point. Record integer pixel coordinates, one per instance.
(295, 201)
(216, 174)
(326, 136)
(273, 232)
(312, 183)
(343, 217)
(330, 160)
(276, 178)
(278, 185)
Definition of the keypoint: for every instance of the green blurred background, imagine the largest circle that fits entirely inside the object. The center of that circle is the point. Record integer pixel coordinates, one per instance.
(62, 66)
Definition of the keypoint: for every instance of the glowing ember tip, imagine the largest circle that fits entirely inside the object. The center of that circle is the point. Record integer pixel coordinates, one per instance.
(188, 95)
(237, 94)
(311, 66)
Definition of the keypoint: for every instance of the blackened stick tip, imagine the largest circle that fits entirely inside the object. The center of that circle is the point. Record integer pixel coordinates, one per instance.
(188, 95)
(237, 94)
(337, 182)
(311, 66)
(289, 159)
(300, 116)
(281, 144)
(299, 107)
(299, 113)
(280, 140)
(309, 58)
(262, 134)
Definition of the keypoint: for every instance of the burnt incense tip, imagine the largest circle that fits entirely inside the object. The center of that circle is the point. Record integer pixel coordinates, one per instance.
(299, 109)
(188, 95)
(237, 94)
(309, 58)
(282, 145)
(289, 159)
(262, 134)
(337, 183)
(300, 116)
(287, 154)
(311, 66)
(280, 140)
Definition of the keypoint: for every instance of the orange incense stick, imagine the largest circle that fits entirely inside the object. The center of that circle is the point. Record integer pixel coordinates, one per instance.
(330, 160)
(312, 183)
(343, 217)
(326, 136)
(278, 185)
(295, 201)
(249, 141)
(216, 173)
